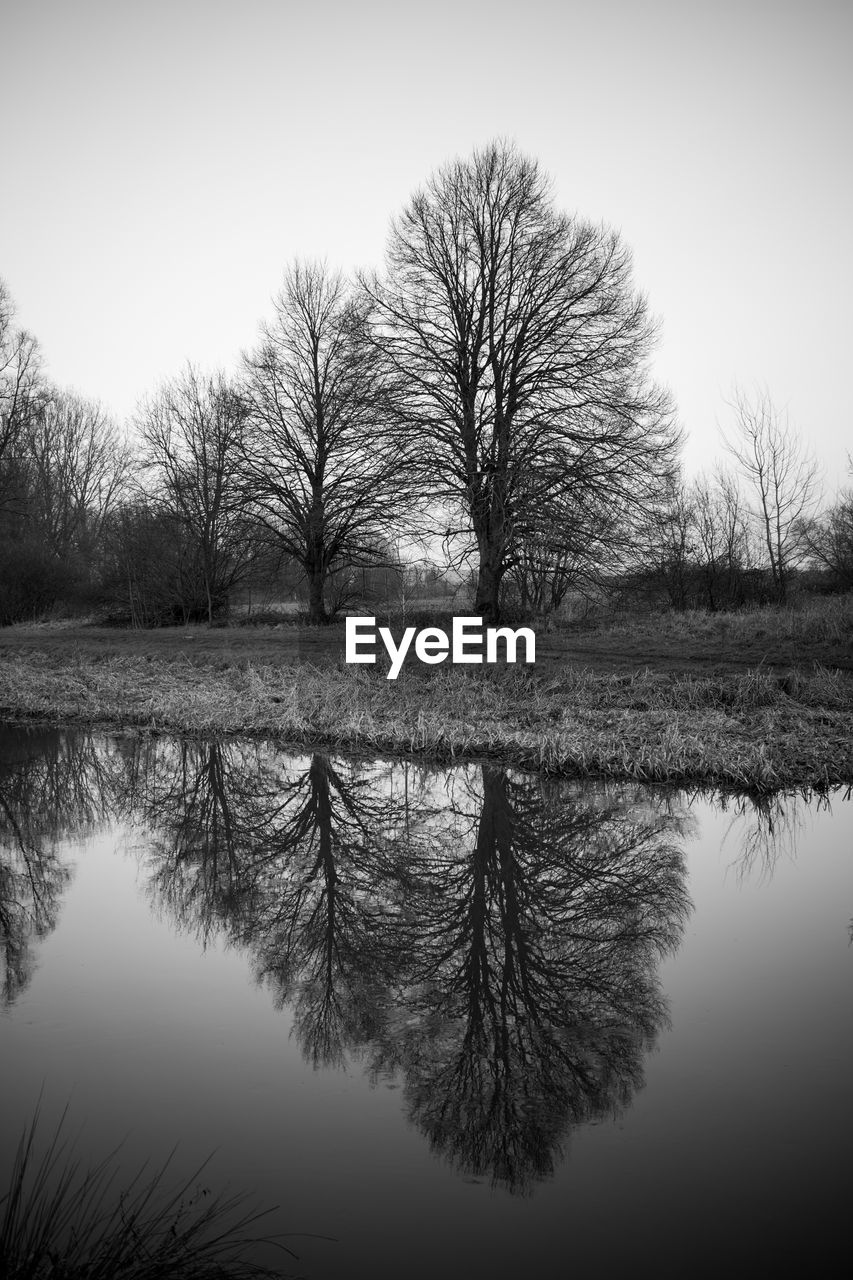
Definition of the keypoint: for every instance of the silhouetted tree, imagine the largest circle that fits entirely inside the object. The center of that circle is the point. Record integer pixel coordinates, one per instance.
(530, 994)
(78, 467)
(210, 807)
(20, 379)
(782, 477)
(29, 575)
(193, 432)
(829, 539)
(491, 937)
(521, 346)
(671, 544)
(147, 557)
(291, 860)
(323, 473)
(52, 786)
(574, 550)
(326, 937)
(721, 539)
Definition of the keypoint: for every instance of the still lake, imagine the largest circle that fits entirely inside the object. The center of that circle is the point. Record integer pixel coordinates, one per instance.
(460, 1022)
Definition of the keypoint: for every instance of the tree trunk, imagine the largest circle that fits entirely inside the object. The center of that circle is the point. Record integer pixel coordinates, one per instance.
(488, 519)
(487, 603)
(317, 615)
(315, 565)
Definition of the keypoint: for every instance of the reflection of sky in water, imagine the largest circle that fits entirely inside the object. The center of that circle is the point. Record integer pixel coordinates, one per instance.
(734, 1119)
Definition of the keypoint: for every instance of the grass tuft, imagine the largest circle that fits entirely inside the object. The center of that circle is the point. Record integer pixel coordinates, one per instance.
(63, 1222)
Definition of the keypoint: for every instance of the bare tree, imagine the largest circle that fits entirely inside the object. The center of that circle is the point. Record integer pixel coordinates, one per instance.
(829, 537)
(62, 465)
(566, 553)
(20, 371)
(146, 549)
(78, 467)
(325, 477)
(721, 538)
(193, 432)
(20, 388)
(523, 348)
(669, 544)
(783, 478)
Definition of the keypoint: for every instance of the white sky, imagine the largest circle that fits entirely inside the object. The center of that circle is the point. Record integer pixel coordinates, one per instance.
(163, 161)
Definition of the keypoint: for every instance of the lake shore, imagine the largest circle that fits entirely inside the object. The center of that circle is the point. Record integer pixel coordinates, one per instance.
(754, 729)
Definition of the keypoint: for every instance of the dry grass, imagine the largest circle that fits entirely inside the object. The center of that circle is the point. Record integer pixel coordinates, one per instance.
(61, 1220)
(756, 730)
(814, 620)
(819, 630)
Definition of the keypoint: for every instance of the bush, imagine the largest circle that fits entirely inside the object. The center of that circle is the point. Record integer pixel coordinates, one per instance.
(31, 580)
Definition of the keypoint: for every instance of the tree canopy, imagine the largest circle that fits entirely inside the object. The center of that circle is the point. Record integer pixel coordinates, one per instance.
(522, 349)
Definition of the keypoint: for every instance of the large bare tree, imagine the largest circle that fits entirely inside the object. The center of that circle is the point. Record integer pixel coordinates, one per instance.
(324, 474)
(523, 346)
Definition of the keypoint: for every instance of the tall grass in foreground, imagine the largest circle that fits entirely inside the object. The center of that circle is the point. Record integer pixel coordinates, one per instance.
(57, 1223)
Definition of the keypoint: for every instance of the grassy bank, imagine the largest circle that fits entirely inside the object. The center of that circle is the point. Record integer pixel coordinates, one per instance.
(690, 642)
(756, 729)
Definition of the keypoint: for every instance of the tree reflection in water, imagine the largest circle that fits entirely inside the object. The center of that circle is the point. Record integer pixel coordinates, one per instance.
(490, 938)
(207, 806)
(767, 828)
(531, 994)
(494, 940)
(50, 790)
(293, 858)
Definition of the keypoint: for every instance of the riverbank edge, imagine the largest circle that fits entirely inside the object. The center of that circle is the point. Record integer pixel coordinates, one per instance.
(755, 731)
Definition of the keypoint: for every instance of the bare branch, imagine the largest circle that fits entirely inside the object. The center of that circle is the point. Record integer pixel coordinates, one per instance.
(324, 474)
(522, 349)
(782, 477)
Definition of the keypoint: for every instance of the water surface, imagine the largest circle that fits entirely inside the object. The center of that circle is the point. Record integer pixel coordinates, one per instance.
(463, 1021)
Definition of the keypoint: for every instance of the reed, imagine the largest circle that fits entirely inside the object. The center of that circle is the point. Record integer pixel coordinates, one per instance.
(61, 1221)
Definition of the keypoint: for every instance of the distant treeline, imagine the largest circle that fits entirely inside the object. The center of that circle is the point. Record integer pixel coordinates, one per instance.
(480, 415)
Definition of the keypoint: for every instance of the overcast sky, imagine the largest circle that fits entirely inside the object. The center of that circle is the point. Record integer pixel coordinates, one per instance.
(163, 160)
